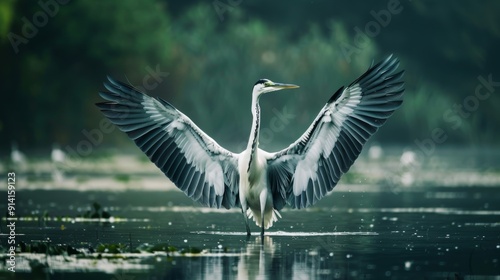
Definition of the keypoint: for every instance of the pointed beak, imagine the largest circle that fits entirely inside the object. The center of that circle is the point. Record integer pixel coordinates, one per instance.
(283, 86)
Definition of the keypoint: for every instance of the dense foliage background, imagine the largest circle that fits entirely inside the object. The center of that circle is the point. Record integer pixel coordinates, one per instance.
(208, 54)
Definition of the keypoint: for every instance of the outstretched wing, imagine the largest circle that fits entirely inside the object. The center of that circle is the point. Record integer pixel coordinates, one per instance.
(308, 169)
(192, 160)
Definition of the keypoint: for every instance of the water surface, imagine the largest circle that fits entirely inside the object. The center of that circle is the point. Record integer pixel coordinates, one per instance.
(368, 228)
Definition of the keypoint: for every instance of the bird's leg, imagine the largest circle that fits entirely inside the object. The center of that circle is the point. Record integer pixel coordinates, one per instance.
(263, 199)
(246, 221)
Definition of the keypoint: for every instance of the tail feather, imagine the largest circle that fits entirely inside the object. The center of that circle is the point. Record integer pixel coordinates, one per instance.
(269, 218)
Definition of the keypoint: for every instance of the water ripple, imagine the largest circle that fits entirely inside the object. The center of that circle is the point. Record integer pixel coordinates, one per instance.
(292, 233)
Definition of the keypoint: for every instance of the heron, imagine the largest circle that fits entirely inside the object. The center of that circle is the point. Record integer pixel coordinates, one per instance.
(58, 158)
(16, 156)
(260, 183)
(57, 155)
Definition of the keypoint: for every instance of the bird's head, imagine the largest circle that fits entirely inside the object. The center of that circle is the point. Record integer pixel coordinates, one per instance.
(265, 85)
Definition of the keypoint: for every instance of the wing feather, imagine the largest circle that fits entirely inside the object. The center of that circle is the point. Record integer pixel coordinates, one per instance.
(316, 161)
(192, 160)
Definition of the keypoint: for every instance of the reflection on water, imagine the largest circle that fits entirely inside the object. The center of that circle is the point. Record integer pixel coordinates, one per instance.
(284, 233)
(264, 259)
(257, 259)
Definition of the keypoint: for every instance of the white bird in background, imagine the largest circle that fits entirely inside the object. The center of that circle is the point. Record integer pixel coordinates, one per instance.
(408, 158)
(409, 163)
(259, 182)
(16, 156)
(58, 158)
(57, 155)
(375, 152)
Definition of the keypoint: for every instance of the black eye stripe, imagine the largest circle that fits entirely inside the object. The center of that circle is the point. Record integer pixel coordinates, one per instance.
(261, 81)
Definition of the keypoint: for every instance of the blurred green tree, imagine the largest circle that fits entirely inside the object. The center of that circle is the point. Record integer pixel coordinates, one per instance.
(52, 70)
(55, 75)
(239, 51)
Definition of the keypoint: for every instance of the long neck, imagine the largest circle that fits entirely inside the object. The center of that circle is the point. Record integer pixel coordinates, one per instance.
(253, 142)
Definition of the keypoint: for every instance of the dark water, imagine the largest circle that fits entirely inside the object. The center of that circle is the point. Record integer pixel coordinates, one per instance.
(434, 217)
(414, 233)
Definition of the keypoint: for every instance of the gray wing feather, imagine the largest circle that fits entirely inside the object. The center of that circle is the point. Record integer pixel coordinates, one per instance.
(308, 169)
(193, 161)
